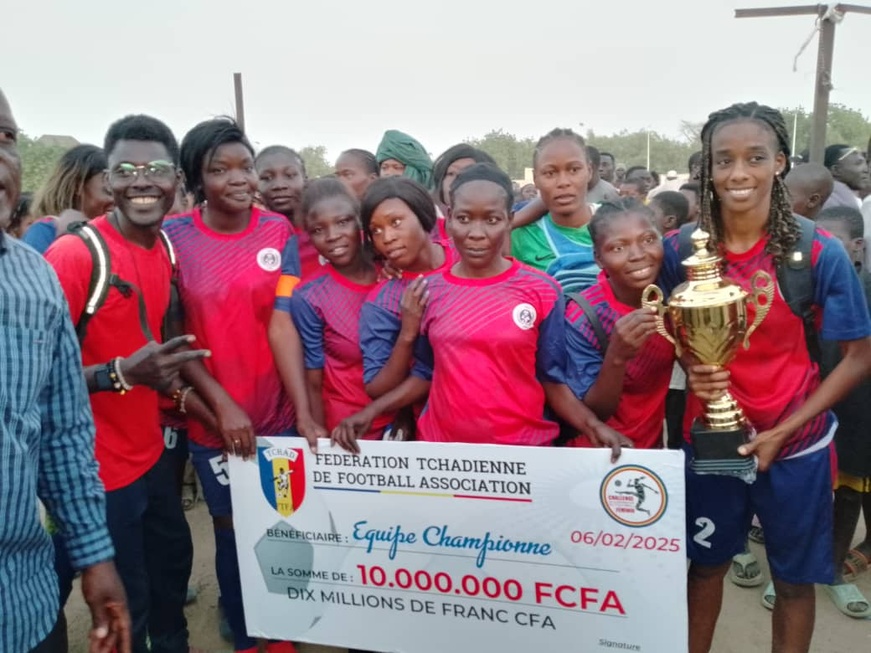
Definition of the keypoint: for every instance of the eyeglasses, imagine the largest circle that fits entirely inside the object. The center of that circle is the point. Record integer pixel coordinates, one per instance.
(154, 171)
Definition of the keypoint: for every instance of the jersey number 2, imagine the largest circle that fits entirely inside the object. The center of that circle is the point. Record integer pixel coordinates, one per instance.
(707, 529)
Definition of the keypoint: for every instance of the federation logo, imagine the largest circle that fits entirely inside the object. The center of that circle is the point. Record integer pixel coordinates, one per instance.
(634, 496)
(269, 259)
(282, 477)
(524, 316)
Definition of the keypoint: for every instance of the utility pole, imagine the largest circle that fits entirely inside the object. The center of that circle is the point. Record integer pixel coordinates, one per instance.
(648, 148)
(240, 103)
(828, 16)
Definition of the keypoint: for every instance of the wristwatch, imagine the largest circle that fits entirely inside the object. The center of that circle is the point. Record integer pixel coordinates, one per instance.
(102, 378)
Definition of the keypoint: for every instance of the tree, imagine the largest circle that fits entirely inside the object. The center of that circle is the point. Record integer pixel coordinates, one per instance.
(38, 160)
(510, 153)
(630, 149)
(846, 125)
(316, 164)
(513, 154)
(691, 132)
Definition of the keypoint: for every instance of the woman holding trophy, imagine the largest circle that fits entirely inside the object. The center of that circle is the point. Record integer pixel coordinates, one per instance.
(769, 395)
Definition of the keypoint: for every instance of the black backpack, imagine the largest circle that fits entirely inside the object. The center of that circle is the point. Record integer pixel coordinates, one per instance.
(103, 279)
(794, 276)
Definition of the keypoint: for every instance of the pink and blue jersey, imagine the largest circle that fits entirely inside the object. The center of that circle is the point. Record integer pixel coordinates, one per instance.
(486, 345)
(227, 285)
(776, 375)
(381, 317)
(641, 409)
(326, 311)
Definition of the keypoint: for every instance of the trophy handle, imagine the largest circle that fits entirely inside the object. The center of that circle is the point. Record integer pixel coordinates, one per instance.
(652, 297)
(761, 286)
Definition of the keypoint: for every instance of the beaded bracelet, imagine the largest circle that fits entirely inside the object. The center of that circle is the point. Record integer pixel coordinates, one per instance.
(179, 396)
(116, 368)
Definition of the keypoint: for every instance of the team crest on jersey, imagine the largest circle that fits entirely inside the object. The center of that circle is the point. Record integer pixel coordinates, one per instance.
(524, 316)
(269, 259)
(633, 496)
(282, 477)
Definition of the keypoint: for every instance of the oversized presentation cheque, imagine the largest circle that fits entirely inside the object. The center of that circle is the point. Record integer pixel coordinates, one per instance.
(426, 548)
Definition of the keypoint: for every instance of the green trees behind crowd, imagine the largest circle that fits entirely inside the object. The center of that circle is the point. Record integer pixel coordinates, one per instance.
(513, 153)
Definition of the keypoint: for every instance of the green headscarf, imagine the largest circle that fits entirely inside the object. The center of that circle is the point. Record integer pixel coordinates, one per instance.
(409, 152)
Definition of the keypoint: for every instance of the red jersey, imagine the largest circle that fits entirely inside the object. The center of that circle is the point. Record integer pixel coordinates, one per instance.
(775, 376)
(641, 409)
(129, 439)
(227, 285)
(486, 345)
(326, 312)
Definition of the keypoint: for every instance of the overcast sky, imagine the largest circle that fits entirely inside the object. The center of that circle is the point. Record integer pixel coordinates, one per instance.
(340, 72)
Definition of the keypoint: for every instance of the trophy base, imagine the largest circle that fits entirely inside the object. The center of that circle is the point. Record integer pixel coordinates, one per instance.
(709, 444)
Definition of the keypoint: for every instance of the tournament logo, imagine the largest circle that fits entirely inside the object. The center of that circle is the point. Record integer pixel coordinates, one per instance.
(633, 496)
(524, 316)
(269, 259)
(282, 477)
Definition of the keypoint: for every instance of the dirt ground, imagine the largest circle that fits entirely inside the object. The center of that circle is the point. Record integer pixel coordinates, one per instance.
(744, 625)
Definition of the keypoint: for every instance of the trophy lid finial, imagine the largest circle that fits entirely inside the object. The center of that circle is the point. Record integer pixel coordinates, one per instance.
(703, 263)
(700, 239)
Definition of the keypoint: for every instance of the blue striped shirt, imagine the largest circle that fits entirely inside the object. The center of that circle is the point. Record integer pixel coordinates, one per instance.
(46, 447)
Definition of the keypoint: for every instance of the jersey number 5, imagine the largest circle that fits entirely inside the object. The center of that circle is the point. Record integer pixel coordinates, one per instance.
(219, 466)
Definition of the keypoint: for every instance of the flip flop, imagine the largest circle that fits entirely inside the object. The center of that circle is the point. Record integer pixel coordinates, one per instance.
(855, 564)
(745, 570)
(769, 596)
(849, 600)
(756, 534)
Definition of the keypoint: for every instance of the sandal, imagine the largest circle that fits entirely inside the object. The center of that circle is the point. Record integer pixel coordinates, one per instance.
(769, 596)
(188, 496)
(849, 600)
(855, 564)
(755, 534)
(745, 570)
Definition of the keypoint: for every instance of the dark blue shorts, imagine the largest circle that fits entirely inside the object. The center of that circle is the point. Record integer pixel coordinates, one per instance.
(793, 501)
(211, 468)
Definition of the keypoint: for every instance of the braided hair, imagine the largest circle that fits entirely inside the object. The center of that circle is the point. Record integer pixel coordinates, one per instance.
(555, 135)
(782, 228)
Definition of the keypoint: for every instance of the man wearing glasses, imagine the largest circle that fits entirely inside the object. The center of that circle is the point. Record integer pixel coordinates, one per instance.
(126, 369)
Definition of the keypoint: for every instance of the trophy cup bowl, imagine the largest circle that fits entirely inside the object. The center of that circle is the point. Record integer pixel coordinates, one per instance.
(708, 319)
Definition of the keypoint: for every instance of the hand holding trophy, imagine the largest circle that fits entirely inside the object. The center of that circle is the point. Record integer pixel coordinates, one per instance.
(708, 318)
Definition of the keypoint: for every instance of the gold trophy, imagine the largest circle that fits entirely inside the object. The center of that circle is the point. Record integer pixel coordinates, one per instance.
(708, 316)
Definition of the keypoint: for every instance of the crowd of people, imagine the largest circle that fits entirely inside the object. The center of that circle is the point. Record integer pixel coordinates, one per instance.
(166, 303)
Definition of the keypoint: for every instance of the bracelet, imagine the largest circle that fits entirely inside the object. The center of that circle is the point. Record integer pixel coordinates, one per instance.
(179, 396)
(116, 376)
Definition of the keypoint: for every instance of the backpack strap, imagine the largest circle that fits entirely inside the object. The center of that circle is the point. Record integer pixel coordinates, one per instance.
(103, 279)
(170, 250)
(593, 318)
(174, 312)
(796, 280)
(101, 273)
